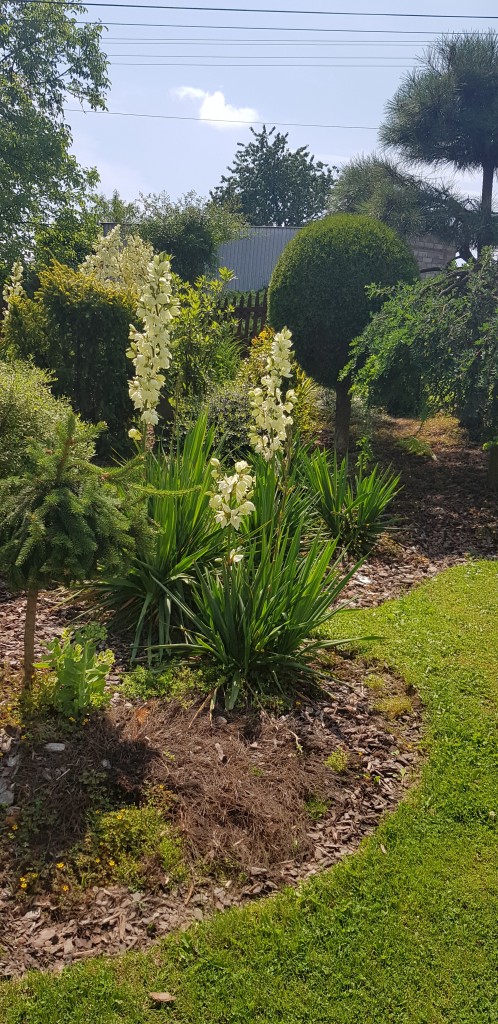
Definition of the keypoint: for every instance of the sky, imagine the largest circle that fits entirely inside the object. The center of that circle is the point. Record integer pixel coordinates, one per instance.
(204, 73)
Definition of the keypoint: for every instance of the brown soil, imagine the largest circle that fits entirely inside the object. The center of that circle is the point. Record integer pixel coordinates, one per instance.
(251, 795)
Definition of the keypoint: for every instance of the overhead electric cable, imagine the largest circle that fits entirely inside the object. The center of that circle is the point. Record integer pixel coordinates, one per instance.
(281, 10)
(221, 120)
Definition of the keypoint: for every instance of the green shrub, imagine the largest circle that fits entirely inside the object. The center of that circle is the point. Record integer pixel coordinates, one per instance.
(354, 507)
(77, 672)
(140, 602)
(204, 344)
(77, 328)
(319, 291)
(28, 412)
(318, 287)
(253, 617)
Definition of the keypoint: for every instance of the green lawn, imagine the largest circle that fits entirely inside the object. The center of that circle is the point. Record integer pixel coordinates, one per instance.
(406, 931)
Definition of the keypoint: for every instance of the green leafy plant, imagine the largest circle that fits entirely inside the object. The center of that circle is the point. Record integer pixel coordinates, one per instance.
(338, 760)
(415, 446)
(176, 682)
(204, 343)
(183, 535)
(254, 618)
(78, 672)
(128, 845)
(353, 506)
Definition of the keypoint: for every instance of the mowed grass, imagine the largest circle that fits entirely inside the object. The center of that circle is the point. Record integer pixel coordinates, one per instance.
(404, 932)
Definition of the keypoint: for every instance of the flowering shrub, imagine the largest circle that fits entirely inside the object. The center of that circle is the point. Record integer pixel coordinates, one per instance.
(150, 349)
(271, 410)
(122, 262)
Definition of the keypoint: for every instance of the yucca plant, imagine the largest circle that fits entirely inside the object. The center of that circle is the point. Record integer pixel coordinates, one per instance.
(182, 538)
(353, 506)
(255, 617)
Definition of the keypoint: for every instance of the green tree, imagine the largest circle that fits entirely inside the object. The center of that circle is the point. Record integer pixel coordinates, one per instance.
(45, 56)
(319, 290)
(434, 345)
(189, 230)
(67, 239)
(271, 184)
(409, 205)
(60, 520)
(446, 111)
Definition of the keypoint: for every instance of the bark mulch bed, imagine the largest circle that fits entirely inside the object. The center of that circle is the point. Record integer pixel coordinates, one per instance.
(252, 797)
(245, 789)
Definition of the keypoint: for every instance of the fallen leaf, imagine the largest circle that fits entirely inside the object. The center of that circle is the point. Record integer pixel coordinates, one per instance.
(162, 997)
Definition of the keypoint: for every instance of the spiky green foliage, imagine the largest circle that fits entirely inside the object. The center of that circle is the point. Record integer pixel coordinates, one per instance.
(60, 519)
(354, 505)
(178, 488)
(446, 111)
(380, 188)
(253, 615)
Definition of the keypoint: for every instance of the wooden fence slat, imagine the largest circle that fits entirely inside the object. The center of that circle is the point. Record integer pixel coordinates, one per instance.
(250, 314)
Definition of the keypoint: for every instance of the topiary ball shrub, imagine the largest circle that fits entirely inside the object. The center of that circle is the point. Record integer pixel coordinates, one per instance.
(318, 289)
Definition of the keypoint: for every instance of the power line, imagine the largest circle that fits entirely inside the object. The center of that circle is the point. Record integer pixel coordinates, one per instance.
(182, 64)
(221, 120)
(283, 10)
(269, 56)
(263, 28)
(137, 40)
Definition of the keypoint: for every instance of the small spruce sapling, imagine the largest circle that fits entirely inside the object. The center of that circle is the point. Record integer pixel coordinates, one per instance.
(60, 521)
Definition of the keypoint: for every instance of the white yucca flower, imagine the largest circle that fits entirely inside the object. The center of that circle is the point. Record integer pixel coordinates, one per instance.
(123, 262)
(149, 349)
(231, 501)
(13, 286)
(271, 411)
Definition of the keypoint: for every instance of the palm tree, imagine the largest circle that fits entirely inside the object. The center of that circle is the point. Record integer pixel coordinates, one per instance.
(446, 111)
(380, 188)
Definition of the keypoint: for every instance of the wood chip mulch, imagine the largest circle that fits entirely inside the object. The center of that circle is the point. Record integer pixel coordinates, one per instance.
(243, 788)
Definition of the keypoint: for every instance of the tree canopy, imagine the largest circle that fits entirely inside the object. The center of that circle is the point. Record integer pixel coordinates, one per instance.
(446, 111)
(271, 184)
(44, 57)
(378, 187)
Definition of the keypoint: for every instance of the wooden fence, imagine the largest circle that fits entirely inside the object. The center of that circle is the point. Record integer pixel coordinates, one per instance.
(251, 313)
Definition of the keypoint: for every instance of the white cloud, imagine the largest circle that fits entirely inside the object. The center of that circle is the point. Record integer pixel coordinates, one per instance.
(215, 109)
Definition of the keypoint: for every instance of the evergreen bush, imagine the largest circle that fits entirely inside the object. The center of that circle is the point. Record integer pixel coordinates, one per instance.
(28, 412)
(76, 327)
(319, 291)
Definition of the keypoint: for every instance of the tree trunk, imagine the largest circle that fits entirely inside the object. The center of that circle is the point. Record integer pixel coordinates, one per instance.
(486, 231)
(29, 637)
(342, 416)
(493, 468)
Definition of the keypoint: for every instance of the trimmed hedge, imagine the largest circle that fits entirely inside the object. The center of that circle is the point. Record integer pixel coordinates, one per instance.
(318, 287)
(77, 328)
